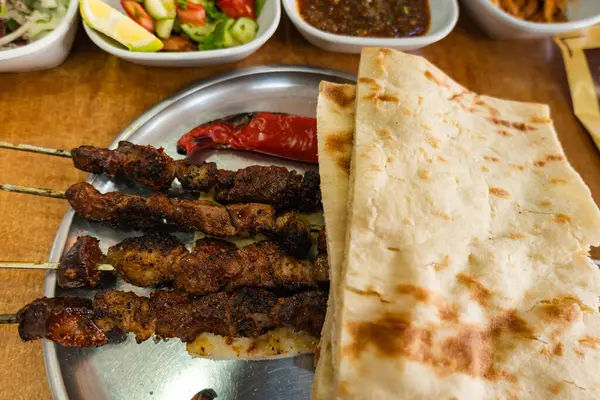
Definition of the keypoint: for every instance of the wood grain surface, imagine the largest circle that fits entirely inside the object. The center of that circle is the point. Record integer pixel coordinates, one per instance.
(93, 96)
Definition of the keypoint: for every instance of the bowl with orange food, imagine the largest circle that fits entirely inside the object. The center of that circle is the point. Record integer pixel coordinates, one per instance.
(526, 19)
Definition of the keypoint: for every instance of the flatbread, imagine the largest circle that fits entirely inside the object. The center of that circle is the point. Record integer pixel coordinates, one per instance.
(278, 343)
(335, 126)
(466, 273)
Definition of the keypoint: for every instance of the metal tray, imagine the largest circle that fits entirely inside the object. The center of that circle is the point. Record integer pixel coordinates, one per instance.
(165, 370)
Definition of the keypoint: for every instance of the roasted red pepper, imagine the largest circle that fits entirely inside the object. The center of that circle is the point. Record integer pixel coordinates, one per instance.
(281, 135)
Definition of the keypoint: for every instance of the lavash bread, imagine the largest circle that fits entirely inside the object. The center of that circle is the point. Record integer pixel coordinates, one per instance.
(466, 273)
(281, 342)
(335, 125)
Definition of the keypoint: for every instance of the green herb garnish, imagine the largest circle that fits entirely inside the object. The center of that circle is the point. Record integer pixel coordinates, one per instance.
(182, 4)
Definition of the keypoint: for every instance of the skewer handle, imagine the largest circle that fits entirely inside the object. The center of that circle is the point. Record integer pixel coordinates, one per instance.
(8, 319)
(26, 265)
(36, 149)
(57, 194)
(45, 265)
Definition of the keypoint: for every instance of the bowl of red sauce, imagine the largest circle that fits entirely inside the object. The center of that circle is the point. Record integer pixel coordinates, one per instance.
(347, 26)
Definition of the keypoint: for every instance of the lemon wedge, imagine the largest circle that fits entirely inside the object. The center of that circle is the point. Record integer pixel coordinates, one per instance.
(102, 17)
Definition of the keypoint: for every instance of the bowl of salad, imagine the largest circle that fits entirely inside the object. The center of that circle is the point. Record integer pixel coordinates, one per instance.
(36, 34)
(180, 33)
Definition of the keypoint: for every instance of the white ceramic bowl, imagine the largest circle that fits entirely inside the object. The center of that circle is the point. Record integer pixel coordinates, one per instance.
(501, 25)
(267, 21)
(444, 14)
(49, 51)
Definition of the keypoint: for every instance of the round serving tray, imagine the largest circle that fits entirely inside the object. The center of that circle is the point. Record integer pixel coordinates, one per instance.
(165, 370)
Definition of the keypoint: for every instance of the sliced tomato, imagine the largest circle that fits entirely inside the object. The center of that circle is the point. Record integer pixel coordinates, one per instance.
(179, 43)
(137, 13)
(193, 14)
(237, 8)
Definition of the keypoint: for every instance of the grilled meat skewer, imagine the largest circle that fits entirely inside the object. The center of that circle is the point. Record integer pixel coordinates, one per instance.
(214, 265)
(78, 322)
(159, 211)
(144, 213)
(152, 167)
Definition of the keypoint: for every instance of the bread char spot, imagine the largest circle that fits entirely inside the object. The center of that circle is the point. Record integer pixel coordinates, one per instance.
(502, 132)
(520, 126)
(418, 292)
(429, 75)
(491, 158)
(555, 388)
(433, 142)
(539, 120)
(386, 52)
(442, 264)
(376, 97)
(424, 174)
(590, 342)
(340, 144)
(562, 219)
(447, 312)
(391, 336)
(367, 80)
(369, 291)
(549, 158)
(492, 110)
(559, 350)
(389, 98)
(479, 292)
(557, 181)
(457, 95)
(471, 351)
(499, 192)
(442, 215)
(562, 310)
(339, 95)
(380, 60)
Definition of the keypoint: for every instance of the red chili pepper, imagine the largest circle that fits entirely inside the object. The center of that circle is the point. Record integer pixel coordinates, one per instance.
(281, 135)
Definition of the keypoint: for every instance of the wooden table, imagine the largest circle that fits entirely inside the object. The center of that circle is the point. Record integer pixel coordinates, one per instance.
(93, 96)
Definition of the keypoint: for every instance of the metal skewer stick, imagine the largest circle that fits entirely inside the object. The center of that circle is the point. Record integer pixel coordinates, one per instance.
(45, 265)
(57, 194)
(36, 149)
